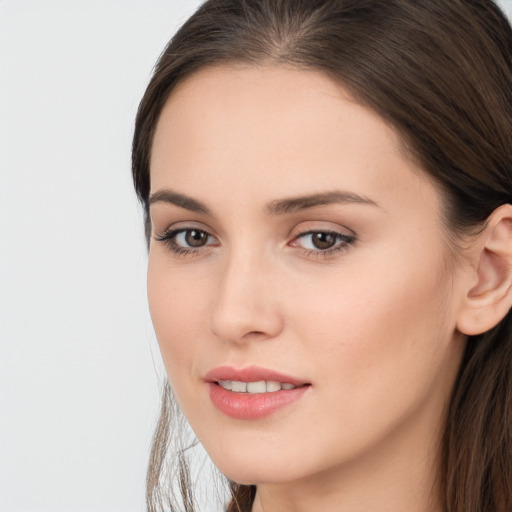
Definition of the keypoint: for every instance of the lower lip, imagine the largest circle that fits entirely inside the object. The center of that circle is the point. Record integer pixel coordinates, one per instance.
(247, 406)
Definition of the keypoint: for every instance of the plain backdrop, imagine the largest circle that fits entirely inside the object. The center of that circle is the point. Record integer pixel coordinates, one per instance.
(79, 365)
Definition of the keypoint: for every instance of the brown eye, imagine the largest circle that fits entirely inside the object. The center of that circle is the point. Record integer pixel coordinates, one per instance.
(185, 241)
(323, 240)
(196, 238)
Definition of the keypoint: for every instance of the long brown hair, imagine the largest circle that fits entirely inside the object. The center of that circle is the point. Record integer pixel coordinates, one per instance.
(440, 72)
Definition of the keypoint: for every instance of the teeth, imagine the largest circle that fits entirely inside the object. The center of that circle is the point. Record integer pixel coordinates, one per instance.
(261, 386)
(226, 384)
(239, 387)
(272, 385)
(257, 387)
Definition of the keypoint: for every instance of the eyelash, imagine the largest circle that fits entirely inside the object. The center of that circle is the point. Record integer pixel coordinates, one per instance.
(343, 242)
(168, 239)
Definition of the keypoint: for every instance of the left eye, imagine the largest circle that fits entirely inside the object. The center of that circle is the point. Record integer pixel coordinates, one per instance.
(192, 238)
(183, 241)
(322, 240)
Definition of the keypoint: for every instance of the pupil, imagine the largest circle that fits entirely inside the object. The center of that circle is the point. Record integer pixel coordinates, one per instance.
(195, 238)
(324, 240)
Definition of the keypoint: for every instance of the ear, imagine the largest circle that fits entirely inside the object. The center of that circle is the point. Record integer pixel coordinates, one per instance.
(489, 296)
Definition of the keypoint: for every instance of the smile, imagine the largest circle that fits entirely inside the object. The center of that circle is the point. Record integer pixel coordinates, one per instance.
(252, 393)
(262, 386)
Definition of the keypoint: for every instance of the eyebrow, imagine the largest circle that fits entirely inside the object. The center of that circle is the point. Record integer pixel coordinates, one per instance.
(276, 207)
(295, 204)
(181, 200)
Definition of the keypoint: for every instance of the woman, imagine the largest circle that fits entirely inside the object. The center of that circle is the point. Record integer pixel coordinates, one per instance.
(327, 187)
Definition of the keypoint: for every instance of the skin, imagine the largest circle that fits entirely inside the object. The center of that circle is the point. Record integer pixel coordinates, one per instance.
(372, 327)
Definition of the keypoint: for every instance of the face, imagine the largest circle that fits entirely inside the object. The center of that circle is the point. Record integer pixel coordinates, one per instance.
(296, 247)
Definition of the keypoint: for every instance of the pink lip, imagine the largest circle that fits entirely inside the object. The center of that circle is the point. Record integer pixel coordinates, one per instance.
(245, 406)
(250, 374)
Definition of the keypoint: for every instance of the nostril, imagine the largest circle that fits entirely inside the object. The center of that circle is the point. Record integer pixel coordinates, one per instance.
(254, 334)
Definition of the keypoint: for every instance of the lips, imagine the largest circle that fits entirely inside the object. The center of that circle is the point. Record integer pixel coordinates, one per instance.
(252, 393)
(251, 374)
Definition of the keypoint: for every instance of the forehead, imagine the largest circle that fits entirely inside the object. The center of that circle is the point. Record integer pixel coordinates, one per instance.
(289, 130)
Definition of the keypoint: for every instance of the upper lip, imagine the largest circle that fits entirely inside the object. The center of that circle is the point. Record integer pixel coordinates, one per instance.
(251, 374)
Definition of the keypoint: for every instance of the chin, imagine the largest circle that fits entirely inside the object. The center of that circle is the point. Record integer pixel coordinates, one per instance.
(256, 466)
(246, 475)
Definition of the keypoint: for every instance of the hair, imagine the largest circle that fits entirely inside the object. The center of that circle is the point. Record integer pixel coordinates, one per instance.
(440, 73)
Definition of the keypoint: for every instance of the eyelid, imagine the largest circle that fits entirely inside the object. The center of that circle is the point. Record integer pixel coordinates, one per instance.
(309, 227)
(168, 238)
(167, 227)
(344, 238)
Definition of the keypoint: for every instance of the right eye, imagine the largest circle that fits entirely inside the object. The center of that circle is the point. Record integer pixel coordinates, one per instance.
(186, 241)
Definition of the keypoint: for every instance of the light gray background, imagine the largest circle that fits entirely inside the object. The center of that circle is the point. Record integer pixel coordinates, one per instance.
(78, 385)
(79, 365)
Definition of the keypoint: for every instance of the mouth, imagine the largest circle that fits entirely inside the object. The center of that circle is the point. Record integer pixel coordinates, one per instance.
(262, 386)
(253, 393)
(253, 380)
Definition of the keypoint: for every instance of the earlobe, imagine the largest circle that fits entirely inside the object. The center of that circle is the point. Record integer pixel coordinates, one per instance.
(488, 301)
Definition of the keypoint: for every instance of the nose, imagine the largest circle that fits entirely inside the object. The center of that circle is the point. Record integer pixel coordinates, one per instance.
(246, 304)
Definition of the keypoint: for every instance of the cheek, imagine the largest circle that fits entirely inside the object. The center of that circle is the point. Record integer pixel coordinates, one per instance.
(174, 304)
(376, 315)
(383, 332)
